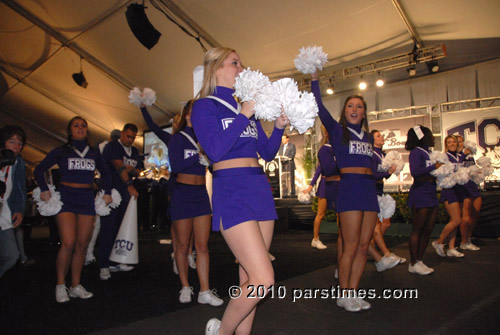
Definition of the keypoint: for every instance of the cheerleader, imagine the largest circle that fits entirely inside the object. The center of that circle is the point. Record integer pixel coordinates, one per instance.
(190, 208)
(75, 221)
(453, 199)
(422, 199)
(472, 204)
(328, 186)
(243, 204)
(389, 259)
(357, 203)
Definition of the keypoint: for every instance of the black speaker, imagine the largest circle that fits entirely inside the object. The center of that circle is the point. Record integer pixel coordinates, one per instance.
(140, 25)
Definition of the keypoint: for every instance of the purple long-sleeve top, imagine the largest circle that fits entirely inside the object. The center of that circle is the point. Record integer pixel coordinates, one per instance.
(420, 163)
(378, 172)
(317, 173)
(74, 168)
(162, 135)
(183, 155)
(225, 135)
(456, 159)
(358, 152)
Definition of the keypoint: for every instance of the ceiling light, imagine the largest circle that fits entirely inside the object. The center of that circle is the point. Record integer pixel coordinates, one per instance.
(330, 90)
(79, 78)
(433, 66)
(380, 80)
(412, 70)
(142, 29)
(363, 85)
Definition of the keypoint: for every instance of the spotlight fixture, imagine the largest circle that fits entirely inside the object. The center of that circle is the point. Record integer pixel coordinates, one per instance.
(330, 89)
(380, 81)
(142, 29)
(79, 78)
(363, 85)
(412, 70)
(433, 66)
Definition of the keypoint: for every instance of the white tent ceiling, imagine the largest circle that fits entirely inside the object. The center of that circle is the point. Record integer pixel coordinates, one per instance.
(41, 42)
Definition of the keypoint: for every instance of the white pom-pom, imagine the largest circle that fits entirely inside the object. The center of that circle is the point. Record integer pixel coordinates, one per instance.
(438, 157)
(51, 207)
(204, 160)
(447, 182)
(300, 107)
(444, 170)
(116, 198)
(393, 158)
(310, 59)
(476, 174)
(249, 83)
(471, 146)
(484, 161)
(267, 104)
(304, 198)
(387, 206)
(148, 96)
(100, 205)
(462, 175)
(135, 97)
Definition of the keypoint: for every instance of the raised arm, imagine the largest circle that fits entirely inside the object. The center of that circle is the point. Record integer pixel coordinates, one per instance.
(217, 137)
(163, 135)
(325, 116)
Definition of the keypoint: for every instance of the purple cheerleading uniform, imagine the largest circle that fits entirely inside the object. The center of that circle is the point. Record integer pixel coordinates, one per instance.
(239, 194)
(458, 192)
(357, 191)
(187, 201)
(378, 172)
(110, 224)
(423, 191)
(471, 188)
(328, 168)
(77, 164)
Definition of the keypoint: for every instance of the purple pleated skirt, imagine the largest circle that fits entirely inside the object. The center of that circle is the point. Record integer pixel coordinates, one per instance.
(422, 195)
(189, 201)
(472, 190)
(357, 193)
(240, 195)
(77, 200)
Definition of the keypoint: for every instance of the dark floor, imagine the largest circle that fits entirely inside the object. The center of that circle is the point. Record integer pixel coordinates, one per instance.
(461, 297)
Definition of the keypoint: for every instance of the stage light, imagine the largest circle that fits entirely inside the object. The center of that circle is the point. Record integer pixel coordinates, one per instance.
(330, 90)
(380, 80)
(79, 78)
(140, 26)
(412, 70)
(363, 85)
(433, 66)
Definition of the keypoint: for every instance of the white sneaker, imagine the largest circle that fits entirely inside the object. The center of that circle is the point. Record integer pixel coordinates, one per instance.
(192, 260)
(349, 304)
(363, 304)
(469, 246)
(401, 259)
(174, 267)
(454, 253)
(318, 244)
(439, 248)
(418, 269)
(79, 292)
(210, 297)
(185, 294)
(386, 263)
(425, 267)
(104, 274)
(62, 293)
(212, 327)
(121, 267)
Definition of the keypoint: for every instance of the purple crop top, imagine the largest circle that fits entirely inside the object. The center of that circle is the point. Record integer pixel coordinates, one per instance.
(456, 159)
(77, 164)
(358, 152)
(183, 155)
(327, 161)
(377, 157)
(420, 163)
(225, 135)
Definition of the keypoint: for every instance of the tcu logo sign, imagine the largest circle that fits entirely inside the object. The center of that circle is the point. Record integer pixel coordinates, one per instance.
(487, 131)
